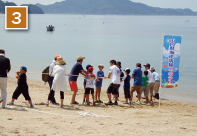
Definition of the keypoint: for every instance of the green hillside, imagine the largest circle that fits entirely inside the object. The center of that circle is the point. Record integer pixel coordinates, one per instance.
(33, 9)
(110, 7)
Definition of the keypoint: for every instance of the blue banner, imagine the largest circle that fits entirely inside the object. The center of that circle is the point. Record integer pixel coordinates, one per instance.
(171, 61)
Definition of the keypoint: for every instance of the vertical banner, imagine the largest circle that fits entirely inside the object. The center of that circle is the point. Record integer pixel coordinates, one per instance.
(171, 61)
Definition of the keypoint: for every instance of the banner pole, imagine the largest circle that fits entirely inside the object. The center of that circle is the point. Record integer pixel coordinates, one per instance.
(161, 70)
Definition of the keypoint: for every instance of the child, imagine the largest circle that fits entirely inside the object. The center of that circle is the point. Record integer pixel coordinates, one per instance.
(145, 85)
(84, 84)
(126, 80)
(90, 85)
(22, 87)
(98, 84)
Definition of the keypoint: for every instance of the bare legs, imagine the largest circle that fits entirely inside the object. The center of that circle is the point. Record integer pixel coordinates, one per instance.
(97, 96)
(73, 96)
(151, 97)
(109, 96)
(139, 96)
(93, 97)
(116, 97)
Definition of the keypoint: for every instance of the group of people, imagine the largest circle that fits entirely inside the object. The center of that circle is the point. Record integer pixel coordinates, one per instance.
(147, 81)
(144, 81)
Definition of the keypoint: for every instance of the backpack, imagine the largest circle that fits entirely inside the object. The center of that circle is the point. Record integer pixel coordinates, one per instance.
(45, 74)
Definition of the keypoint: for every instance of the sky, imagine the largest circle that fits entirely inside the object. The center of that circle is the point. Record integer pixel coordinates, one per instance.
(192, 4)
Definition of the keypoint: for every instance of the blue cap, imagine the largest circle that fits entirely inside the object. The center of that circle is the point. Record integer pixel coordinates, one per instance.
(24, 68)
(127, 70)
(88, 66)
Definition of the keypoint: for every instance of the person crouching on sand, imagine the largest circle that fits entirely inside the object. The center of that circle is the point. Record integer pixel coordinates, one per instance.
(59, 81)
(22, 87)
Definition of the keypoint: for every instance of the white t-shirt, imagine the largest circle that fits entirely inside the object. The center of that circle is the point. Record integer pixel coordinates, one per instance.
(52, 65)
(115, 74)
(150, 77)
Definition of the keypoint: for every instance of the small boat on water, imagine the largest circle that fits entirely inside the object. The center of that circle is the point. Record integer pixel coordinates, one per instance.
(50, 28)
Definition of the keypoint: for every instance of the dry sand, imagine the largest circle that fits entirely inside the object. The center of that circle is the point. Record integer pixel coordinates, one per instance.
(175, 119)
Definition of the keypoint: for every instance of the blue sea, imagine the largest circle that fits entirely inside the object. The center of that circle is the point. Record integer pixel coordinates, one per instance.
(100, 38)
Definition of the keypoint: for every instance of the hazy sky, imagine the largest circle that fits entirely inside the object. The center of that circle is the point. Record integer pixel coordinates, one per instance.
(192, 4)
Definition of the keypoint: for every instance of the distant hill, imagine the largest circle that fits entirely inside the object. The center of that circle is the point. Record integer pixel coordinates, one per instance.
(3, 4)
(110, 7)
(33, 9)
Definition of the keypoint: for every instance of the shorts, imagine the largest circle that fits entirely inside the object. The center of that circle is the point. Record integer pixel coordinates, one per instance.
(113, 88)
(127, 93)
(87, 90)
(23, 91)
(145, 90)
(73, 85)
(151, 87)
(136, 88)
(98, 88)
(156, 87)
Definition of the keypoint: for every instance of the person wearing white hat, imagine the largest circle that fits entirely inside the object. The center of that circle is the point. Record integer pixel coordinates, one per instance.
(59, 81)
(157, 82)
(151, 81)
(77, 68)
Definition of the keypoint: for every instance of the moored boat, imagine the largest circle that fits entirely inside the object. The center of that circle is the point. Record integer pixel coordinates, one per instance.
(50, 28)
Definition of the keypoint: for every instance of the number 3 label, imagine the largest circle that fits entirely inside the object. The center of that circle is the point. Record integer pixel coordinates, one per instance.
(18, 18)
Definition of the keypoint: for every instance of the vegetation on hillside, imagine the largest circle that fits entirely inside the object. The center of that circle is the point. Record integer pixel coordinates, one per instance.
(33, 9)
(113, 7)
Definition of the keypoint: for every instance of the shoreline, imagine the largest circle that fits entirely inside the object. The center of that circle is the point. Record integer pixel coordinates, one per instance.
(174, 118)
(81, 90)
(163, 96)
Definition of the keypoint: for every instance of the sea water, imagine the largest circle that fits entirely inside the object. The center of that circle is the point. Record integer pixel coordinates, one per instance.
(100, 38)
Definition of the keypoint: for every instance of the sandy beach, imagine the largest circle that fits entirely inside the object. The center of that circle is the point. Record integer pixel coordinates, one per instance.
(175, 119)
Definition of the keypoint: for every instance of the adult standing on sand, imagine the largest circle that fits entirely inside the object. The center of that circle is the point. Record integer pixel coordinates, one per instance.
(51, 77)
(77, 68)
(4, 70)
(157, 82)
(114, 73)
(59, 82)
(151, 81)
(137, 76)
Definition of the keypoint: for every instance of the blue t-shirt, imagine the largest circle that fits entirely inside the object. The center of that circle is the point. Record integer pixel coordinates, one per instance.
(99, 74)
(137, 73)
(77, 68)
(127, 82)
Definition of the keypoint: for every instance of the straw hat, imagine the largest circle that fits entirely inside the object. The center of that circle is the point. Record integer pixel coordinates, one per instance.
(152, 68)
(101, 65)
(80, 58)
(60, 61)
